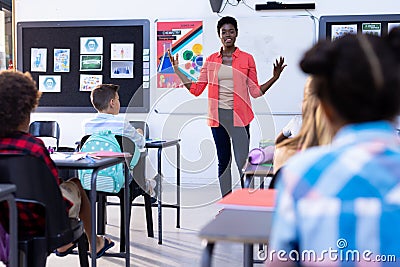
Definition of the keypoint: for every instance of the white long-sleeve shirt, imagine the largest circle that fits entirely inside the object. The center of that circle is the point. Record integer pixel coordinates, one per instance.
(117, 125)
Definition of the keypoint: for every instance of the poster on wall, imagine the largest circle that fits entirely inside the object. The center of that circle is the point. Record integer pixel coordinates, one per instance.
(372, 28)
(122, 52)
(38, 59)
(184, 38)
(393, 25)
(88, 82)
(91, 45)
(50, 83)
(91, 63)
(341, 30)
(61, 60)
(121, 69)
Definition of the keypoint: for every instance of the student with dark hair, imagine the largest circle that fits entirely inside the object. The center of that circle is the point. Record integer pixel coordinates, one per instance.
(345, 198)
(105, 99)
(231, 77)
(19, 97)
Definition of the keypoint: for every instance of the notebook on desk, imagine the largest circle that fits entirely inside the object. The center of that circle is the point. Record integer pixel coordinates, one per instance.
(250, 199)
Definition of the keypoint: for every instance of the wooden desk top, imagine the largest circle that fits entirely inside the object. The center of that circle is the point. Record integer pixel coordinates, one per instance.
(244, 226)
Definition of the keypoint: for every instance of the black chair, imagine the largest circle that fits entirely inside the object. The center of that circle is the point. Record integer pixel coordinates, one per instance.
(140, 169)
(7, 193)
(126, 145)
(51, 129)
(29, 174)
(46, 129)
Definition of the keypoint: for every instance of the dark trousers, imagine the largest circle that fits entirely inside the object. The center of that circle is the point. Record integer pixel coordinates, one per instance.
(223, 134)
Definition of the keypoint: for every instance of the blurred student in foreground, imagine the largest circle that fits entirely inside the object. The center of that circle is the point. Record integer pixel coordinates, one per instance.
(339, 205)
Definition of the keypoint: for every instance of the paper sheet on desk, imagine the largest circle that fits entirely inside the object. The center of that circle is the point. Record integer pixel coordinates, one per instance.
(109, 154)
(250, 199)
(61, 156)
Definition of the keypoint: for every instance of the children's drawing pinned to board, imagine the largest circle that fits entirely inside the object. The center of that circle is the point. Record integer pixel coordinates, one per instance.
(38, 59)
(121, 51)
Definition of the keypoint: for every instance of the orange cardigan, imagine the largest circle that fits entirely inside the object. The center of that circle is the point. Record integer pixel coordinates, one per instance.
(244, 83)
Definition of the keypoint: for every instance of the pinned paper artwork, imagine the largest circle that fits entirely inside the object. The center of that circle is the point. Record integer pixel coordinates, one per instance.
(122, 51)
(50, 83)
(91, 63)
(341, 30)
(61, 60)
(392, 25)
(91, 45)
(89, 82)
(122, 69)
(38, 59)
(372, 28)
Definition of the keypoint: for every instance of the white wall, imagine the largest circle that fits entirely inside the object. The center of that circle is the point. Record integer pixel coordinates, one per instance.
(198, 153)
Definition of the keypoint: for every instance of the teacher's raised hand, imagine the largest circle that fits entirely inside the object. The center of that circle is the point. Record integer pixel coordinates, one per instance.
(175, 64)
(174, 61)
(279, 66)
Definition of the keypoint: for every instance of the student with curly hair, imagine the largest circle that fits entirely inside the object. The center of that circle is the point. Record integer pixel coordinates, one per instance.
(19, 97)
(231, 77)
(344, 198)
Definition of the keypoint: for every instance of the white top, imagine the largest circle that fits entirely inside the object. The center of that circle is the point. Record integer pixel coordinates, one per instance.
(115, 124)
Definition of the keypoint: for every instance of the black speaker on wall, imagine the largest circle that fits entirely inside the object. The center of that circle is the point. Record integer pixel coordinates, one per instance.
(216, 5)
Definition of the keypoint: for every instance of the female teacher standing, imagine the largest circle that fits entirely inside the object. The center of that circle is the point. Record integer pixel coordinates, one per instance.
(231, 77)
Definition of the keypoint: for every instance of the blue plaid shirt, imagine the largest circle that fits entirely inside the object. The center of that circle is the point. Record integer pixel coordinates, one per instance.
(342, 201)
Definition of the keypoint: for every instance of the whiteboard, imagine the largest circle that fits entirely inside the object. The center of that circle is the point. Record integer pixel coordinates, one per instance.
(266, 38)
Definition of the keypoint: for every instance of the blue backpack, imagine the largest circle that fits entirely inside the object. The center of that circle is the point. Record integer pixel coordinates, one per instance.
(111, 179)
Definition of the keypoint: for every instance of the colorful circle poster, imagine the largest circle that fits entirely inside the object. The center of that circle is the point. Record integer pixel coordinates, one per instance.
(184, 38)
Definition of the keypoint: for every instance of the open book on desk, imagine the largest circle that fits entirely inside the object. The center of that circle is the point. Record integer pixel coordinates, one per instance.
(250, 199)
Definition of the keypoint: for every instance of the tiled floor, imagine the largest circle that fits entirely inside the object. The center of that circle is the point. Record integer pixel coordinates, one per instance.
(181, 247)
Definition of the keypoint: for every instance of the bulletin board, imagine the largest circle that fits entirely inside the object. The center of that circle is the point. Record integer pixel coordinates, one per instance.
(332, 27)
(116, 52)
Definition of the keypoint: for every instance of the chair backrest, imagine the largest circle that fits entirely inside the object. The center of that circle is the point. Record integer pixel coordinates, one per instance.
(111, 179)
(35, 182)
(45, 129)
(142, 125)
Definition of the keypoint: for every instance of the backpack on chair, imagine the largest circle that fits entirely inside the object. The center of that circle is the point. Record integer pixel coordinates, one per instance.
(111, 179)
